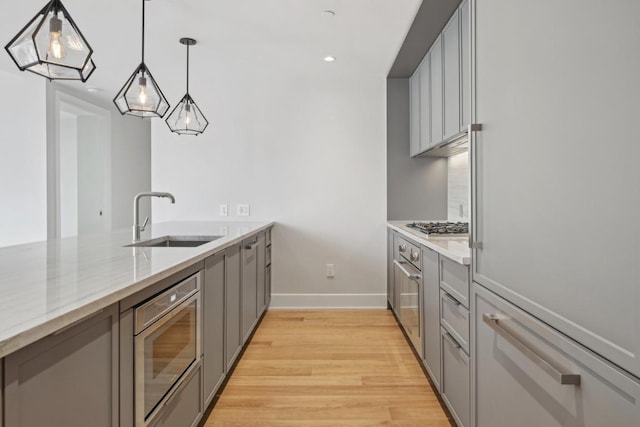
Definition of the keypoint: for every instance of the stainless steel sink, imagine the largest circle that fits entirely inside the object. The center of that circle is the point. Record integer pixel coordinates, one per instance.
(174, 242)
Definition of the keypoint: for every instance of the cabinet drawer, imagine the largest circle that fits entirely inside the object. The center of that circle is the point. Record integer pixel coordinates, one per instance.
(454, 278)
(455, 379)
(513, 387)
(455, 319)
(184, 408)
(267, 260)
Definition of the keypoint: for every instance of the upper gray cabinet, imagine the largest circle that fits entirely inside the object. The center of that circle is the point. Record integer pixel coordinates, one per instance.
(440, 88)
(451, 75)
(465, 65)
(414, 108)
(436, 91)
(425, 102)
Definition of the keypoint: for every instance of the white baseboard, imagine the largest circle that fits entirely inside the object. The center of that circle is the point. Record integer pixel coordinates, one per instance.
(327, 301)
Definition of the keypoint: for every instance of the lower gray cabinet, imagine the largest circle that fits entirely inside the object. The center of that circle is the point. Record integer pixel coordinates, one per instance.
(213, 298)
(1, 398)
(431, 317)
(261, 265)
(455, 389)
(390, 269)
(67, 379)
(232, 304)
(514, 387)
(184, 408)
(249, 286)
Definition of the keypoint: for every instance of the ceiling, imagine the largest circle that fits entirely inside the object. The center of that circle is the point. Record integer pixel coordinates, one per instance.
(429, 22)
(255, 37)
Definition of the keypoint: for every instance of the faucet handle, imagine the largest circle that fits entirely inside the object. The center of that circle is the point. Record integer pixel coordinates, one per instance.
(144, 225)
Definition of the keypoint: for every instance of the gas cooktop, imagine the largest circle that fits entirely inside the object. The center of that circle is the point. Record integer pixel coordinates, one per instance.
(441, 228)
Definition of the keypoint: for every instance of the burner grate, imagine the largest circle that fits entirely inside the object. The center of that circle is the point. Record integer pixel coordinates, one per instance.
(441, 227)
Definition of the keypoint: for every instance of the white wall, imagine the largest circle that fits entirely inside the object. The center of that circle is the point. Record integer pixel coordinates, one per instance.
(23, 185)
(130, 163)
(131, 167)
(68, 175)
(307, 152)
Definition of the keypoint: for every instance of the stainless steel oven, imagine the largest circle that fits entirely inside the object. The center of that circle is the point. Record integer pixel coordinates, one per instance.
(408, 275)
(167, 346)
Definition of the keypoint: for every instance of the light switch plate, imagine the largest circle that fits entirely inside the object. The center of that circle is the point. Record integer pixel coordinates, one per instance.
(224, 210)
(243, 210)
(331, 272)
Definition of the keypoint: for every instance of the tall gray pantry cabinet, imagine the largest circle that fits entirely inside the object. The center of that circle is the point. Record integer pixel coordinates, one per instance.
(555, 220)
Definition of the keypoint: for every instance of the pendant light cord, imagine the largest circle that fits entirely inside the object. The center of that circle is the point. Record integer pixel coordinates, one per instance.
(187, 69)
(143, 31)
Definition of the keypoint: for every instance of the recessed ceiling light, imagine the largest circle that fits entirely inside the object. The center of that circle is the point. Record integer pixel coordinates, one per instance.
(329, 58)
(328, 13)
(92, 89)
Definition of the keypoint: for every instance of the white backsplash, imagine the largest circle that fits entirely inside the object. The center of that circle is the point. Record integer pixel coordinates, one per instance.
(458, 187)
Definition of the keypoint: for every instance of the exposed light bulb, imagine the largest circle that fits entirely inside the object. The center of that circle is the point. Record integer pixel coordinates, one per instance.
(56, 47)
(142, 94)
(187, 109)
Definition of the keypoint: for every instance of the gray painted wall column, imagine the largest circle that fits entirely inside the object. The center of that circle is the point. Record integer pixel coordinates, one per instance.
(416, 187)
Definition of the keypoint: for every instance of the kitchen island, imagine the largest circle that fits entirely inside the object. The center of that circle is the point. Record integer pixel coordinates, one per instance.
(69, 328)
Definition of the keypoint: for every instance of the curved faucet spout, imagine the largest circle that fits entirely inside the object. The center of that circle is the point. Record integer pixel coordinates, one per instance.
(137, 228)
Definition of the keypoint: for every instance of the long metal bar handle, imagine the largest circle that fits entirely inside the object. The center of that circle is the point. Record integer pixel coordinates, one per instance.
(473, 128)
(411, 276)
(493, 320)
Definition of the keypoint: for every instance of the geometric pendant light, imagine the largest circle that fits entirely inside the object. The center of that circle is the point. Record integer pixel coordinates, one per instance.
(141, 96)
(186, 118)
(52, 46)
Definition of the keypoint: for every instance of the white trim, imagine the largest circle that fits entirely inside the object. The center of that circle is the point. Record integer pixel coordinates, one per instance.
(304, 301)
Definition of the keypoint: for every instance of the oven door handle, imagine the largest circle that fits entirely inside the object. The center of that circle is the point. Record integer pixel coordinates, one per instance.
(410, 276)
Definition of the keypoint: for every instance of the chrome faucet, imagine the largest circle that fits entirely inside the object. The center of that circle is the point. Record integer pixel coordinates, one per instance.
(137, 228)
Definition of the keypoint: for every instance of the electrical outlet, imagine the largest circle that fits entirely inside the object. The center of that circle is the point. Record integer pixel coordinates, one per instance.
(243, 210)
(331, 272)
(224, 210)
(224, 230)
(461, 210)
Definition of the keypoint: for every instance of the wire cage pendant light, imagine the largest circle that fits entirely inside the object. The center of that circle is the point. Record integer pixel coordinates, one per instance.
(141, 96)
(187, 118)
(52, 46)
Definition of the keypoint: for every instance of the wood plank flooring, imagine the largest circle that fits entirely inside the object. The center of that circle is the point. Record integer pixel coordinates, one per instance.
(328, 368)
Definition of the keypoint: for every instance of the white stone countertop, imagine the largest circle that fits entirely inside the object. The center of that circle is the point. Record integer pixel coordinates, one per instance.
(46, 286)
(455, 248)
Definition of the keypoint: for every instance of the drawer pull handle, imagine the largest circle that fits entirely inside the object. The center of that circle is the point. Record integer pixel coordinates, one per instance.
(405, 271)
(447, 336)
(493, 320)
(450, 300)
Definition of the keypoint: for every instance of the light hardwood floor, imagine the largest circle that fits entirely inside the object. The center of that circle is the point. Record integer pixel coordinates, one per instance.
(328, 368)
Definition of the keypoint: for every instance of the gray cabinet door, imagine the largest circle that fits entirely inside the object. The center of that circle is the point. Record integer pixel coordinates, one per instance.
(513, 390)
(455, 379)
(67, 379)
(451, 77)
(425, 103)
(554, 161)
(213, 325)
(390, 275)
(436, 92)
(431, 307)
(465, 64)
(261, 263)
(249, 286)
(232, 304)
(414, 114)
